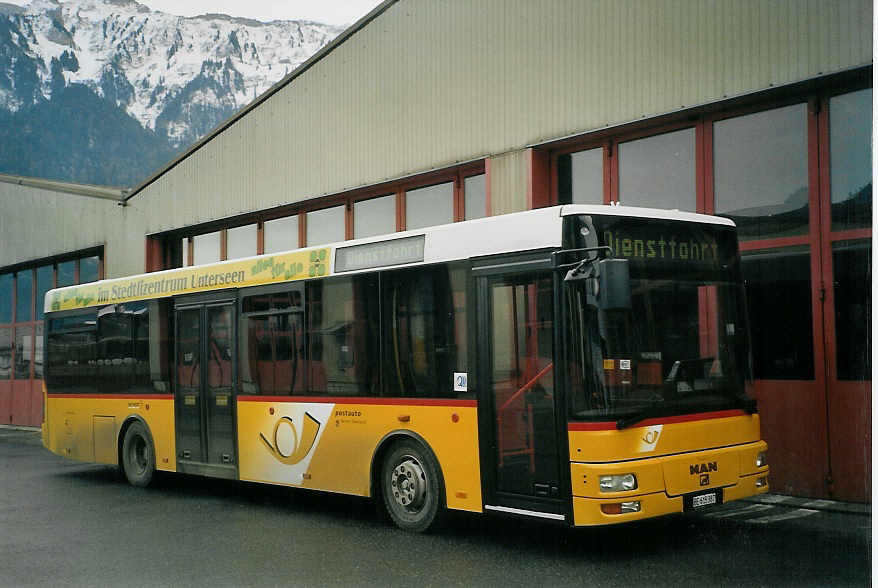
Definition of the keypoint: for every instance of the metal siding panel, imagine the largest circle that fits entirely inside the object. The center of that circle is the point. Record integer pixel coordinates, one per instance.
(429, 83)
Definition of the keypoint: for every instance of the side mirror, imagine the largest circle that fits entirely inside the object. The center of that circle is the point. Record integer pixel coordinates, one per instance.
(614, 284)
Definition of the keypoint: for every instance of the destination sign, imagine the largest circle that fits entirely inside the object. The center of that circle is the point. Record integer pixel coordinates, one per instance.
(381, 254)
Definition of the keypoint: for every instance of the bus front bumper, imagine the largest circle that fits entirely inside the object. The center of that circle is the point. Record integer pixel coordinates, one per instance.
(669, 484)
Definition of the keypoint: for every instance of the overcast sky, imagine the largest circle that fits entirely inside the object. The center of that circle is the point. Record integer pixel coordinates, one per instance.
(337, 12)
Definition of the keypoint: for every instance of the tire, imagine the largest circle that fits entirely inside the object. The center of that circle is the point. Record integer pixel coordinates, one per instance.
(411, 484)
(138, 455)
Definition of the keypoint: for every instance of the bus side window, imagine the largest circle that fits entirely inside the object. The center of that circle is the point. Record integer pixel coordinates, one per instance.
(342, 336)
(424, 331)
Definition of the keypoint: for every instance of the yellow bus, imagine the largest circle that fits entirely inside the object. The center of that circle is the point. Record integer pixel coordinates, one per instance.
(582, 364)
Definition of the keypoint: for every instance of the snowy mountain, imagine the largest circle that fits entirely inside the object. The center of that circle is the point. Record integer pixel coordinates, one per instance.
(176, 77)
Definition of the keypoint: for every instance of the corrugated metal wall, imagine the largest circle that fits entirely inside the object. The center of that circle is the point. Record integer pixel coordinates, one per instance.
(432, 82)
(37, 223)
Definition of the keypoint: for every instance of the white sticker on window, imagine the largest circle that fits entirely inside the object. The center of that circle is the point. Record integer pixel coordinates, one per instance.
(624, 364)
(459, 382)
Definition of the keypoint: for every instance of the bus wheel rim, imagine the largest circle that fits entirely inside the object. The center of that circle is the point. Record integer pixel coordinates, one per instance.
(408, 484)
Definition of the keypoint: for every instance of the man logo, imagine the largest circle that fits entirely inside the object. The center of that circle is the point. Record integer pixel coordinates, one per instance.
(301, 446)
(702, 468)
(704, 480)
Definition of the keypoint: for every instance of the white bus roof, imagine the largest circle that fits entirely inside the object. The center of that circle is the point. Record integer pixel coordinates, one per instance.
(508, 233)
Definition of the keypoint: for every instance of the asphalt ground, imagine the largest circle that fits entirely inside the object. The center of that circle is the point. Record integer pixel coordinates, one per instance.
(64, 523)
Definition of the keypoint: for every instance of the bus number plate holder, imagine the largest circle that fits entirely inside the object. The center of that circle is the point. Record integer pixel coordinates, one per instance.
(699, 500)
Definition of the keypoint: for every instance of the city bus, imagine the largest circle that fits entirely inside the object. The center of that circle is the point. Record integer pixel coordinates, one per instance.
(588, 365)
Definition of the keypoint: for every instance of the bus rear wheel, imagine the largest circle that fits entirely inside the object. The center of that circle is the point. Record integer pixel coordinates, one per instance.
(138, 455)
(411, 485)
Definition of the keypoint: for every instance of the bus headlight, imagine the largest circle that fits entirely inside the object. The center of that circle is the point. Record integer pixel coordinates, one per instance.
(618, 483)
(761, 459)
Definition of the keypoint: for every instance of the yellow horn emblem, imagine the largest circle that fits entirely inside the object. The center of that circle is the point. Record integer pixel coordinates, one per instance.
(301, 446)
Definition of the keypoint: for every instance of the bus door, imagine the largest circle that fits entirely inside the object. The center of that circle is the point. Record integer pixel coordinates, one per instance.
(519, 424)
(204, 398)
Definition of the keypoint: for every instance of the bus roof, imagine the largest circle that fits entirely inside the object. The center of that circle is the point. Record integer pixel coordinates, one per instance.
(508, 233)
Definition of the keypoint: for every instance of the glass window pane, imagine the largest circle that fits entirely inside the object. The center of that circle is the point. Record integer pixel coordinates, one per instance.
(376, 216)
(185, 246)
(24, 352)
(761, 172)
(343, 336)
(779, 300)
(24, 295)
(433, 205)
(45, 277)
(89, 269)
(850, 154)
(475, 196)
(659, 171)
(66, 273)
(425, 330)
(325, 226)
(5, 354)
(38, 352)
(241, 242)
(5, 298)
(852, 264)
(281, 234)
(581, 177)
(206, 248)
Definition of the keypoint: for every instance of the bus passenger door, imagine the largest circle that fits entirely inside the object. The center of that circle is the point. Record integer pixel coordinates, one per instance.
(519, 428)
(204, 398)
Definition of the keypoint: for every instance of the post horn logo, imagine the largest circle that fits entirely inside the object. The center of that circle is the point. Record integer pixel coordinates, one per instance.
(301, 445)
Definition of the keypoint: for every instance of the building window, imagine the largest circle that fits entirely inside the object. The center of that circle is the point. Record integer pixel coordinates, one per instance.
(281, 234)
(779, 301)
(241, 242)
(581, 177)
(475, 197)
(5, 298)
(24, 296)
(761, 172)
(659, 171)
(325, 226)
(850, 150)
(45, 282)
(433, 205)
(376, 216)
(206, 248)
(852, 264)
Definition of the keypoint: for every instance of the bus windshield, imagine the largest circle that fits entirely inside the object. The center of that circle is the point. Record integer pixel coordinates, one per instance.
(682, 345)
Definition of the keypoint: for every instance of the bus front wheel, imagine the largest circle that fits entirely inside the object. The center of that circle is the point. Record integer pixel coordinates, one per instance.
(138, 455)
(411, 484)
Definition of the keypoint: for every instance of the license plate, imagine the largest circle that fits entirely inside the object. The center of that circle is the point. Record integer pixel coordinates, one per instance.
(703, 500)
(698, 500)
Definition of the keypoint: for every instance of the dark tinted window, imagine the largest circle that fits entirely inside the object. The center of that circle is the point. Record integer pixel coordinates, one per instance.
(272, 344)
(6, 298)
(779, 301)
(71, 365)
(5, 353)
(852, 263)
(424, 331)
(24, 295)
(342, 336)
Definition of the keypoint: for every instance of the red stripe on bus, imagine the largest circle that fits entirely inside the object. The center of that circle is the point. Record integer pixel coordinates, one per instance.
(682, 418)
(360, 400)
(112, 396)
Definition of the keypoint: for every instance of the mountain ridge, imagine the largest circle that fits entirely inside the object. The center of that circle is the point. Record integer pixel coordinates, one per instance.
(176, 77)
